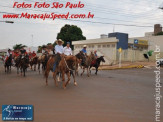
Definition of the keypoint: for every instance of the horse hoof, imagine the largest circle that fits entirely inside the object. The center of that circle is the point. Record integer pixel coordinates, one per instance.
(75, 84)
(46, 84)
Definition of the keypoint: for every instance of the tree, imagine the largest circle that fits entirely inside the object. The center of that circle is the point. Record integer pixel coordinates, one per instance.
(70, 33)
(18, 46)
(160, 33)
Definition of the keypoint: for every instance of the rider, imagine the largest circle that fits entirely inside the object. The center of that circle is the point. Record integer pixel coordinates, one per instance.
(95, 53)
(58, 52)
(44, 51)
(84, 50)
(67, 50)
(7, 54)
(33, 54)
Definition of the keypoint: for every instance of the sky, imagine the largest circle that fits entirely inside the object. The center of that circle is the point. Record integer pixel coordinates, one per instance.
(126, 16)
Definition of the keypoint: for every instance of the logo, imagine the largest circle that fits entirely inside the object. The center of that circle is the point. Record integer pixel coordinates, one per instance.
(135, 41)
(17, 112)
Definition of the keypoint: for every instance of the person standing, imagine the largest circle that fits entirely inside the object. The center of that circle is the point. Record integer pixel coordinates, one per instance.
(67, 49)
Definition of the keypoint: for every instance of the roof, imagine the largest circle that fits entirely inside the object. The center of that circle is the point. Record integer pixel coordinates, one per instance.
(3, 50)
(93, 41)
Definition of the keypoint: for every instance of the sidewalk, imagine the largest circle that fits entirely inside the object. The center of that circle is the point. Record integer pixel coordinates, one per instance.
(128, 65)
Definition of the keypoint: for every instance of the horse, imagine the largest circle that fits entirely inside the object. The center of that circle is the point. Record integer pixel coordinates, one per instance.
(8, 64)
(80, 56)
(22, 63)
(65, 66)
(87, 62)
(33, 61)
(96, 63)
(43, 60)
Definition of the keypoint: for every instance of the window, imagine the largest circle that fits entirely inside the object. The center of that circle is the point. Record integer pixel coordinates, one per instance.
(108, 45)
(92, 46)
(113, 45)
(99, 46)
(104, 46)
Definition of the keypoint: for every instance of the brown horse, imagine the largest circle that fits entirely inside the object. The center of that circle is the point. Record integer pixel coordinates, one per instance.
(43, 60)
(87, 63)
(66, 65)
(33, 61)
(80, 56)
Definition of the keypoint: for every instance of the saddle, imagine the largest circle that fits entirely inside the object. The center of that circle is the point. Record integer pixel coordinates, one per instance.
(93, 62)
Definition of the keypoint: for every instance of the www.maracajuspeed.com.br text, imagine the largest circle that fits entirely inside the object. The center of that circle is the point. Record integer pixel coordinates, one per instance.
(48, 16)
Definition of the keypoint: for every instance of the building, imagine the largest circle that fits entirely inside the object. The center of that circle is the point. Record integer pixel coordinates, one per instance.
(106, 45)
(133, 49)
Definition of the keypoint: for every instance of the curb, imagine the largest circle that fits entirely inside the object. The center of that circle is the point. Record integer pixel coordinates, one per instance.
(124, 67)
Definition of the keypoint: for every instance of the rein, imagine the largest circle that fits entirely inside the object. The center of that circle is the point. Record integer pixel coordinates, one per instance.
(67, 65)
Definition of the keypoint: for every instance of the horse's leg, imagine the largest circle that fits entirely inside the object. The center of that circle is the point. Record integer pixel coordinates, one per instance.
(96, 70)
(24, 69)
(68, 78)
(17, 70)
(5, 68)
(21, 68)
(63, 79)
(58, 76)
(34, 67)
(55, 81)
(75, 83)
(83, 71)
(10, 68)
(88, 71)
(47, 75)
(39, 67)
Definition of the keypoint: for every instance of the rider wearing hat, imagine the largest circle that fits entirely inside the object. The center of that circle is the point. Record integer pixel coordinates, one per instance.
(67, 50)
(58, 52)
(84, 50)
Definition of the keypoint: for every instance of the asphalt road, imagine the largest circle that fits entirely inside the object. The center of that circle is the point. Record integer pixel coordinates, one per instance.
(111, 96)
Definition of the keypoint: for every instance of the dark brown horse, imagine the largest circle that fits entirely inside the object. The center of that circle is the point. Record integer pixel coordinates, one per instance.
(80, 56)
(22, 63)
(96, 63)
(66, 65)
(43, 60)
(8, 64)
(87, 63)
(33, 62)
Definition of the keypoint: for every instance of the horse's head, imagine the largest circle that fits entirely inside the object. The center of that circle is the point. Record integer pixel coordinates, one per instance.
(102, 59)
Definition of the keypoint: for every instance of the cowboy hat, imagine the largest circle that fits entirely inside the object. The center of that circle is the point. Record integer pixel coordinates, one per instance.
(85, 46)
(59, 40)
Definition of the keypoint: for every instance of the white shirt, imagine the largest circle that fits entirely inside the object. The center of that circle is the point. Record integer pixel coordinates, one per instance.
(67, 51)
(59, 49)
(43, 51)
(8, 54)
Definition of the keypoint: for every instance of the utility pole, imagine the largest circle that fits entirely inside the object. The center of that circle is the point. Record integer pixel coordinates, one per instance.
(113, 28)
